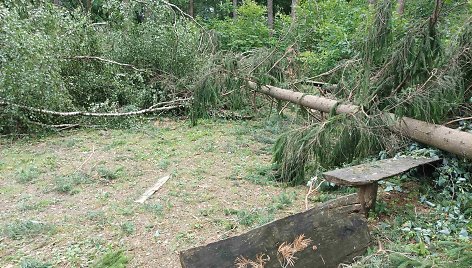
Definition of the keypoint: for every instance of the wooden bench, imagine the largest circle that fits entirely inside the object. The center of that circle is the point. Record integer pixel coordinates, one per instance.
(366, 176)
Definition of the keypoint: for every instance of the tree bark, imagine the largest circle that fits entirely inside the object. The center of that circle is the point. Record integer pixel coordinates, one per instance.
(154, 108)
(190, 8)
(270, 16)
(88, 6)
(235, 9)
(336, 230)
(294, 10)
(447, 139)
(436, 11)
(401, 7)
(57, 2)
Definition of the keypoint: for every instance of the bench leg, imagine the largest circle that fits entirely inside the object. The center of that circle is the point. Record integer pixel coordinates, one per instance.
(367, 196)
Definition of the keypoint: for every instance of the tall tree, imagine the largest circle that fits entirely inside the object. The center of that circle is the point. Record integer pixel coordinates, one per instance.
(235, 9)
(190, 8)
(270, 15)
(89, 6)
(293, 10)
(401, 7)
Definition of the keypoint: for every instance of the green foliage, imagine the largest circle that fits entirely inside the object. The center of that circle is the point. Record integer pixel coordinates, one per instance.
(20, 229)
(33, 263)
(247, 218)
(67, 183)
(156, 208)
(128, 228)
(248, 31)
(112, 259)
(283, 200)
(57, 59)
(262, 175)
(221, 83)
(326, 32)
(27, 175)
(110, 174)
(404, 70)
(338, 140)
(29, 61)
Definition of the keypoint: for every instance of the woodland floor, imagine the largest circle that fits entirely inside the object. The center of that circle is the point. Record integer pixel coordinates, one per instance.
(67, 198)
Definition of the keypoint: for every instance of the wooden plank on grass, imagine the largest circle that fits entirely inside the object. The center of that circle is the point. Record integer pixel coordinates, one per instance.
(336, 230)
(375, 171)
(152, 189)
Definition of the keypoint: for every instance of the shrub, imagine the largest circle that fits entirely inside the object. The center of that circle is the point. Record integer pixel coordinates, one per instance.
(26, 228)
(57, 59)
(112, 259)
(248, 31)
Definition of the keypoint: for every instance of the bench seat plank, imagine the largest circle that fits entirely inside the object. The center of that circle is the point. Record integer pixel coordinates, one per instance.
(372, 172)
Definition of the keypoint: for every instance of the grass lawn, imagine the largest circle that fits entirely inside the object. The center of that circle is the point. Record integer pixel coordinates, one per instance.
(68, 199)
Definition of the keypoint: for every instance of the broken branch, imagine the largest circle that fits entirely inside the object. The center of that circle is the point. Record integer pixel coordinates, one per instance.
(91, 114)
(153, 189)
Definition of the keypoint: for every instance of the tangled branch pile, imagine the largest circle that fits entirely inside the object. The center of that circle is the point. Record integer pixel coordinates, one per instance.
(59, 69)
(415, 76)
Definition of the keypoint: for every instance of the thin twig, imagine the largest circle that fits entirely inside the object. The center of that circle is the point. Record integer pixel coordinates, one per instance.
(311, 190)
(107, 61)
(283, 108)
(457, 120)
(57, 127)
(86, 160)
(344, 64)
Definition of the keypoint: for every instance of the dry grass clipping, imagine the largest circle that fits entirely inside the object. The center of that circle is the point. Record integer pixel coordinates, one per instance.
(260, 261)
(286, 251)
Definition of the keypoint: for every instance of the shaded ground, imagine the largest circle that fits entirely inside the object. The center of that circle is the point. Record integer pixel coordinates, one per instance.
(66, 199)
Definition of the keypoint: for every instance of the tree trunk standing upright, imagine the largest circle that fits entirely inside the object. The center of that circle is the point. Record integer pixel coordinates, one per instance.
(88, 6)
(235, 9)
(294, 10)
(401, 7)
(57, 2)
(270, 16)
(190, 8)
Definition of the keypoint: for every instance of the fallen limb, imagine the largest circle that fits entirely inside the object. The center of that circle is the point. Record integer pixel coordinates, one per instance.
(57, 127)
(152, 189)
(447, 139)
(151, 109)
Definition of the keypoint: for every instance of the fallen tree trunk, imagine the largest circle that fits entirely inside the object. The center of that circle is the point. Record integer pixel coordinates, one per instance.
(334, 233)
(447, 139)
